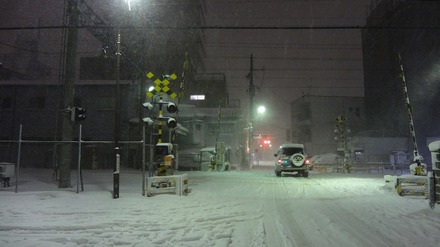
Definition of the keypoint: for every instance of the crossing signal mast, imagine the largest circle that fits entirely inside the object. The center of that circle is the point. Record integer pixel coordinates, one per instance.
(164, 151)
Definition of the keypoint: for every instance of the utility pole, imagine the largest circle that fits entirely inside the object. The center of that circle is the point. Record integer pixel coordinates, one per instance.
(69, 83)
(117, 118)
(251, 111)
(342, 132)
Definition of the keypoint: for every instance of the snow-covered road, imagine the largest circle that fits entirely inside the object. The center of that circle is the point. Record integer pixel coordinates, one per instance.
(236, 209)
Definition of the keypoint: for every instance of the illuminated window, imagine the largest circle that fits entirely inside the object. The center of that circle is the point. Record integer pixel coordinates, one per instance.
(197, 97)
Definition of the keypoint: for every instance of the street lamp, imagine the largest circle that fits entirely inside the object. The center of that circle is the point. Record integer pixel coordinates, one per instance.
(261, 109)
(264, 142)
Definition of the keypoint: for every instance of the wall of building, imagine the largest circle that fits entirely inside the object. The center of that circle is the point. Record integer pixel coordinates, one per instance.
(408, 28)
(37, 108)
(32, 49)
(379, 149)
(314, 120)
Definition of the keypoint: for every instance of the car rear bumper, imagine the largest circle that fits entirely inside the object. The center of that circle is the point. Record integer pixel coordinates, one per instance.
(290, 169)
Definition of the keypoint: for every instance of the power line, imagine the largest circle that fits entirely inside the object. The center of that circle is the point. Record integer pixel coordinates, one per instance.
(283, 46)
(299, 87)
(290, 58)
(128, 27)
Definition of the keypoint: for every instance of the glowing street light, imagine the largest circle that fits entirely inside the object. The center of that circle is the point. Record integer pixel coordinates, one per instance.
(261, 109)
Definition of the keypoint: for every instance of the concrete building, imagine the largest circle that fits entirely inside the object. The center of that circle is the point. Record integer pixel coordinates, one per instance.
(408, 28)
(313, 120)
(314, 123)
(33, 48)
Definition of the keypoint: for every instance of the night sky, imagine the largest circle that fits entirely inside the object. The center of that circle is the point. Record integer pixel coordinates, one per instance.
(299, 48)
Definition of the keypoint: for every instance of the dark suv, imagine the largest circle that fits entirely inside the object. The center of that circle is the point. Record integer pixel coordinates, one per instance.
(291, 158)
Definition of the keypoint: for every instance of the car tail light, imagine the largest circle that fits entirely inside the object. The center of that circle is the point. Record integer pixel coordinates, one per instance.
(307, 162)
(279, 162)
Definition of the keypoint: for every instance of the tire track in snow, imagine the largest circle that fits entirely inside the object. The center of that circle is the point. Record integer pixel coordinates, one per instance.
(350, 224)
(280, 226)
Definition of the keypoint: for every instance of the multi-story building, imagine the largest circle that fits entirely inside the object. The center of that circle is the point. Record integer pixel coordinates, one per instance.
(334, 124)
(33, 49)
(408, 28)
(313, 120)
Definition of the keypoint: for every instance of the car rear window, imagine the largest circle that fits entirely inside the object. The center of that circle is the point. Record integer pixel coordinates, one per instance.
(292, 150)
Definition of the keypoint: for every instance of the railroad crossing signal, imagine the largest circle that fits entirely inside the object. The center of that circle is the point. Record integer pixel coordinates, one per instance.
(161, 86)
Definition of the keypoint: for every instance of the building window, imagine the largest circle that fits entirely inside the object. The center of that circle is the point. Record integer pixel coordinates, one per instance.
(197, 97)
(104, 103)
(37, 102)
(304, 112)
(212, 129)
(5, 103)
(306, 134)
(355, 110)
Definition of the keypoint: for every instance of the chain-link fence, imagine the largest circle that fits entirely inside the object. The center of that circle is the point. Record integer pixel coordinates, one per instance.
(92, 164)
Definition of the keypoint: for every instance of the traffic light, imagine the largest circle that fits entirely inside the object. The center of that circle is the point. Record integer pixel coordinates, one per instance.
(77, 114)
(171, 107)
(171, 123)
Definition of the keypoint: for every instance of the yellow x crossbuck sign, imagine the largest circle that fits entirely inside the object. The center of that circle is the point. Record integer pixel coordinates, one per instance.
(161, 86)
